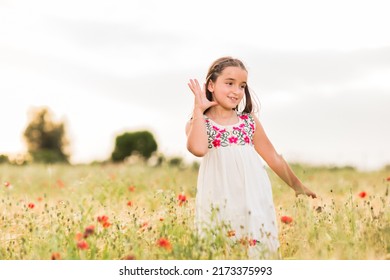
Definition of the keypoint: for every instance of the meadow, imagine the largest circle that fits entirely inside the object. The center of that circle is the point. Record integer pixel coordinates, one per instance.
(98, 212)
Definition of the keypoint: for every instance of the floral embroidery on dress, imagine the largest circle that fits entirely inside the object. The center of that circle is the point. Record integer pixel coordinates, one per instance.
(238, 134)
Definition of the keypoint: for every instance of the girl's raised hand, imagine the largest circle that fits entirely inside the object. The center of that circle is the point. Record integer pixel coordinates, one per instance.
(201, 101)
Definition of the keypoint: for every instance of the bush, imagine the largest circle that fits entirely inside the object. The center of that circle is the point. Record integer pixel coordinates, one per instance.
(129, 143)
(4, 159)
(176, 161)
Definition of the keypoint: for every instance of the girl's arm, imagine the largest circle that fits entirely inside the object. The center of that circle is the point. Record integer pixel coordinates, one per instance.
(197, 142)
(276, 162)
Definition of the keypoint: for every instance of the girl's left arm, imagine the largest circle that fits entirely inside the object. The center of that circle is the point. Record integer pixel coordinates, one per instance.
(276, 162)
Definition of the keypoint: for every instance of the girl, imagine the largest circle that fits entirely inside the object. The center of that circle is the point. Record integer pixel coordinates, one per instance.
(233, 185)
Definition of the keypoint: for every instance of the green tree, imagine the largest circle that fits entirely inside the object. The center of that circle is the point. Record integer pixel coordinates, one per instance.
(140, 142)
(4, 159)
(46, 140)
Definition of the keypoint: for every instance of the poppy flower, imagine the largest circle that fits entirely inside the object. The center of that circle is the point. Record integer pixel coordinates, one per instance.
(143, 226)
(286, 219)
(106, 224)
(82, 244)
(164, 243)
(131, 188)
(102, 219)
(129, 203)
(31, 205)
(388, 179)
(129, 257)
(78, 236)
(89, 230)
(362, 194)
(60, 183)
(182, 199)
(55, 256)
(8, 185)
(248, 241)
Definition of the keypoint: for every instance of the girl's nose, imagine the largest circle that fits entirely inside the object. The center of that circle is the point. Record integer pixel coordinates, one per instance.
(237, 90)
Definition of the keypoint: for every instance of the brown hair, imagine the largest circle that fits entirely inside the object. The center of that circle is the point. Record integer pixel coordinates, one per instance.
(216, 69)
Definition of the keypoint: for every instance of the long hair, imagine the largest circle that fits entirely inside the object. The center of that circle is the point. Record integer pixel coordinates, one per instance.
(216, 69)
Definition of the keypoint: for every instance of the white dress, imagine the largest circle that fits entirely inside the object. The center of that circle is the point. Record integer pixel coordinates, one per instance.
(233, 186)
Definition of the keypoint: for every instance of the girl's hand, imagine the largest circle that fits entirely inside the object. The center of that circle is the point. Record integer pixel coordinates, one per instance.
(201, 101)
(303, 190)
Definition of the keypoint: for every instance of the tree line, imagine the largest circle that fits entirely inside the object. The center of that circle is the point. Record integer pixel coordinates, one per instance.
(47, 141)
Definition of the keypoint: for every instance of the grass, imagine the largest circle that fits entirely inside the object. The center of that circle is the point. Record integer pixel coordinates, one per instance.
(133, 212)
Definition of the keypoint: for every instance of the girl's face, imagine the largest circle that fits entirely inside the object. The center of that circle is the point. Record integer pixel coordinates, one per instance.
(229, 88)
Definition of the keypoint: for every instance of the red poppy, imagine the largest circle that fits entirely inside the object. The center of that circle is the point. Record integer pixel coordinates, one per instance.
(182, 199)
(129, 203)
(252, 242)
(388, 179)
(55, 256)
(106, 224)
(89, 230)
(82, 244)
(286, 219)
(129, 257)
(102, 219)
(164, 243)
(362, 194)
(131, 188)
(78, 236)
(31, 205)
(143, 226)
(248, 241)
(60, 183)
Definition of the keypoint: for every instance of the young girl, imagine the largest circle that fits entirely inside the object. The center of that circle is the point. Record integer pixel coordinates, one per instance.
(233, 182)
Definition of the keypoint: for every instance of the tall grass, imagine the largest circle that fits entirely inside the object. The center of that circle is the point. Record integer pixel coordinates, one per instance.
(135, 212)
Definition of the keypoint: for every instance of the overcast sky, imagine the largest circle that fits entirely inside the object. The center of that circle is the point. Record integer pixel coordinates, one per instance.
(321, 70)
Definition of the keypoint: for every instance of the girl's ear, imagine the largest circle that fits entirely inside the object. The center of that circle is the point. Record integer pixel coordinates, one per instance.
(210, 86)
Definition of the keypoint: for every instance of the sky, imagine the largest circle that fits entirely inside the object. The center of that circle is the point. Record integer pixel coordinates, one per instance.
(320, 70)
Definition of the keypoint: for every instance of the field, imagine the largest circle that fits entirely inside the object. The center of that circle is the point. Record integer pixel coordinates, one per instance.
(139, 212)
